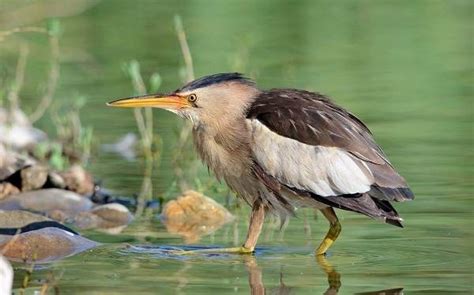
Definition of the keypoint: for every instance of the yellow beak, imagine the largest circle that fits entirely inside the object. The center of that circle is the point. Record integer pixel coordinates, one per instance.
(173, 102)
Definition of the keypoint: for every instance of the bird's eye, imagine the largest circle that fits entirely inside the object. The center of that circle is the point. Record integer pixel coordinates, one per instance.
(192, 97)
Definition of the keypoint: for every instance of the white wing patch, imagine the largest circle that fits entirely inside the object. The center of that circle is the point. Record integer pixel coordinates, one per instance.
(325, 171)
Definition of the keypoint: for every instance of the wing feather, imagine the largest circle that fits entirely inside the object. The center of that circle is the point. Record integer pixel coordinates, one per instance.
(305, 141)
(325, 171)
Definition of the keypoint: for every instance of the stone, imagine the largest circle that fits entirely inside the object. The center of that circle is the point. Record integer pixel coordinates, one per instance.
(47, 200)
(58, 215)
(43, 245)
(27, 178)
(56, 180)
(193, 215)
(33, 177)
(112, 218)
(7, 189)
(78, 180)
(11, 161)
(21, 137)
(19, 218)
(25, 236)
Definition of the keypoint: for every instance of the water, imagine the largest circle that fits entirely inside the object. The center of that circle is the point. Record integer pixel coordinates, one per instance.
(405, 68)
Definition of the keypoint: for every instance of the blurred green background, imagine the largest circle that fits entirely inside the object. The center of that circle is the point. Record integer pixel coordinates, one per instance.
(404, 67)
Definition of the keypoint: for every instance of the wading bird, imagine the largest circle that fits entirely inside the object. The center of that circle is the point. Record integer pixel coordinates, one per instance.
(281, 149)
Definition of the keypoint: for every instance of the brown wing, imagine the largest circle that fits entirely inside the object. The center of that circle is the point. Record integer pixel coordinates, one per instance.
(312, 119)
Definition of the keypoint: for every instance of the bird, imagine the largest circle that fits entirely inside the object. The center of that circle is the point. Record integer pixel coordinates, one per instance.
(282, 149)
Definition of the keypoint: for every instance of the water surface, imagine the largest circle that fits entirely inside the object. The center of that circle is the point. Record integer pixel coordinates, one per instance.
(404, 67)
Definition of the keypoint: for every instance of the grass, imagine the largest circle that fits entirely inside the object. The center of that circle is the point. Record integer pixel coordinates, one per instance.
(73, 141)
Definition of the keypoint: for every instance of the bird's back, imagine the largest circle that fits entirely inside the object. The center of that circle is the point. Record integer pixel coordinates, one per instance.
(336, 159)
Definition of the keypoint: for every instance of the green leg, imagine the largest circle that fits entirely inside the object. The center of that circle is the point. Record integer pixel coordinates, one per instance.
(333, 233)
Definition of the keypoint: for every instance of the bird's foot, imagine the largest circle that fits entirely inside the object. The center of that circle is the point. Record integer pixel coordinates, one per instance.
(232, 250)
(321, 250)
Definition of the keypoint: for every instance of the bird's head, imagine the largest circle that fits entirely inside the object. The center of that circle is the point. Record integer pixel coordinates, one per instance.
(210, 99)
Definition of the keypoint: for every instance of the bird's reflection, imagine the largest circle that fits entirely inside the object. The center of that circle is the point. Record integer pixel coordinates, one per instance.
(194, 262)
(334, 278)
(255, 278)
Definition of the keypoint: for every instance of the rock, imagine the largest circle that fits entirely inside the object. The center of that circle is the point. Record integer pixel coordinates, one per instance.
(6, 276)
(26, 236)
(58, 215)
(28, 178)
(21, 137)
(193, 215)
(115, 214)
(55, 180)
(46, 201)
(7, 189)
(16, 129)
(33, 177)
(78, 180)
(43, 245)
(25, 179)
(19, 218)
(11, 162)
(112, 218)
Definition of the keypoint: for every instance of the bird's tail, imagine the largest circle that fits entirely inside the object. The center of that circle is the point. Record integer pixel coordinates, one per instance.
(390, 215)
(367, 205)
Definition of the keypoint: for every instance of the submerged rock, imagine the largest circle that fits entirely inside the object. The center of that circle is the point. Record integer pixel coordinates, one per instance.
(112, 218)
(47, 201)
(25, 236)
(193, 215)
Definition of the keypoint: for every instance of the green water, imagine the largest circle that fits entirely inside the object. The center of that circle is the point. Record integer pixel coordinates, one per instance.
(404, 67)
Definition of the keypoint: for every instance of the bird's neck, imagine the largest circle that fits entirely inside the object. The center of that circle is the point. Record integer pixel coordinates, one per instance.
(224, 146)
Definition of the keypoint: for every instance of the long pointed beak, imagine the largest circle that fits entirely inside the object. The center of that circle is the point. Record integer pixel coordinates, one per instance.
(172, 102)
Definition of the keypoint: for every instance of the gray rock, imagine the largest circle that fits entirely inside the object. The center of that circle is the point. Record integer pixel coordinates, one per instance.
(47, 200)
(26, 236)
(111, 218)
(19, 218)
